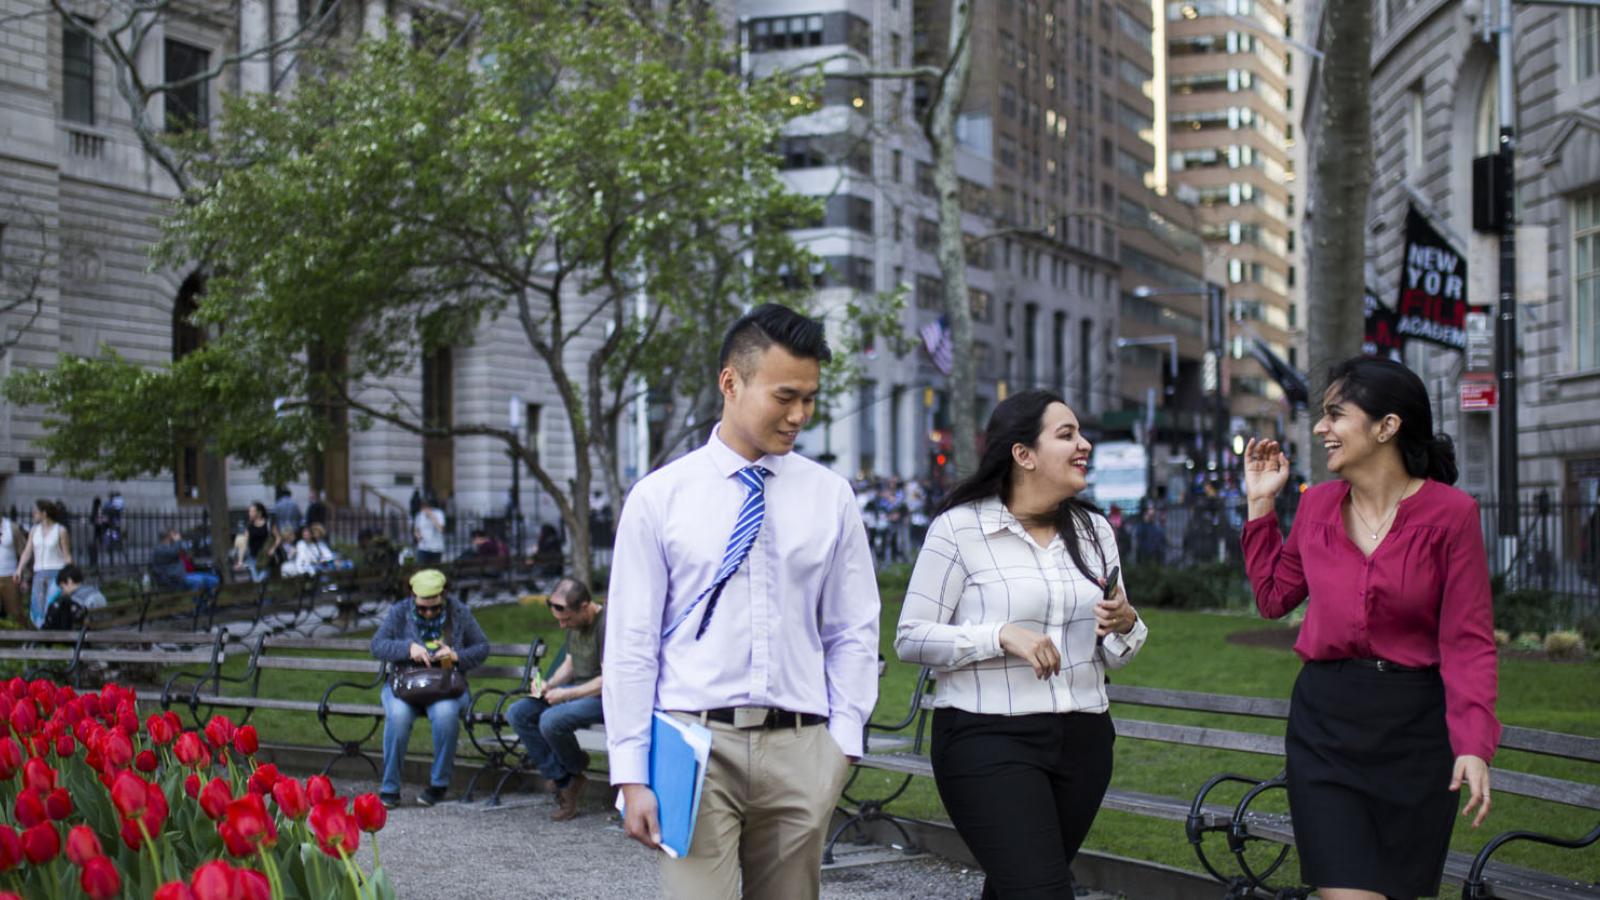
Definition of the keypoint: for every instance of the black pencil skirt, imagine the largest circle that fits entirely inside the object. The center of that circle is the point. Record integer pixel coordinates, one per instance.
(1369, 765)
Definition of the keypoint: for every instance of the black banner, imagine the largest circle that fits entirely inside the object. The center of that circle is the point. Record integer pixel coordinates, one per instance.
(1381, 337)
(1433, 287)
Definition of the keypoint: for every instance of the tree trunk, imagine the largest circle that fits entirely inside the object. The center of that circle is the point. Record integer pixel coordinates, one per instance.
(1341, 181)
(214, 475)
(941, 133)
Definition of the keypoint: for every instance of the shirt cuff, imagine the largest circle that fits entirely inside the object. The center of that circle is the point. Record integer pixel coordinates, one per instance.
(1123, 644)
(629, 765)
(990, 647)
(847, 733)
(1270, 520)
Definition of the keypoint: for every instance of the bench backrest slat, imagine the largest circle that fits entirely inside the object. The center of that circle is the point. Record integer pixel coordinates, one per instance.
(1543, 787)
(1260, 707)
(1195, 736)
(1551, 743)
(318, 664)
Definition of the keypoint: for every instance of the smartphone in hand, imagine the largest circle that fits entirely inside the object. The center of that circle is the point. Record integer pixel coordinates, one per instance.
(1109, 589)
(536, 686)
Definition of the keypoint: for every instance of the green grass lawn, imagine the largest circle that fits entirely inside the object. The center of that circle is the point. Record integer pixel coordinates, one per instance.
(1187, 650)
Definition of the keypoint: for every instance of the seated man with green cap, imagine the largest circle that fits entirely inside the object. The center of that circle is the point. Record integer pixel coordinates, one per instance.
(428, 629)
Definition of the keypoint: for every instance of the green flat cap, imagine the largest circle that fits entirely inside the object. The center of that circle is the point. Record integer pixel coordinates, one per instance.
(428, 583)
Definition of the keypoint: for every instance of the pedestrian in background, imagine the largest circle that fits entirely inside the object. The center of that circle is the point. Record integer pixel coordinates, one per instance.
(49, 550)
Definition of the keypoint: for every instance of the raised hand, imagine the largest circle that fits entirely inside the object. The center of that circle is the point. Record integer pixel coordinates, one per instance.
(1266, 470)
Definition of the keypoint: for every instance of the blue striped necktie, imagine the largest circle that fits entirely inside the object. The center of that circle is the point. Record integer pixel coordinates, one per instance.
(745, 529)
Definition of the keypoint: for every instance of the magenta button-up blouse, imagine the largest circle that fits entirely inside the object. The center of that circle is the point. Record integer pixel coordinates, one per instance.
(1421, 599)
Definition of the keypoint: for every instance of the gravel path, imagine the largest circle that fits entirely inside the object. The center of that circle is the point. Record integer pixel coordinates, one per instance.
(516, 852)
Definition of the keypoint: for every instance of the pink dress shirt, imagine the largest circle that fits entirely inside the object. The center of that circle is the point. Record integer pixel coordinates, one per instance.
(796, 627)
(1421, 599)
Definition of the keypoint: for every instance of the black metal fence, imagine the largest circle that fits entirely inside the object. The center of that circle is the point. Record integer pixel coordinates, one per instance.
(1553, 559)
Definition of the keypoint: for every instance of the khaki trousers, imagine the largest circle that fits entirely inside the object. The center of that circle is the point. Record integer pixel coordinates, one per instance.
(11, 601)
(764, 813)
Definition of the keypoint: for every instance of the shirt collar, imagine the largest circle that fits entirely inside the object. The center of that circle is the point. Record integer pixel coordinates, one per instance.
(729, 461)
(994, 517)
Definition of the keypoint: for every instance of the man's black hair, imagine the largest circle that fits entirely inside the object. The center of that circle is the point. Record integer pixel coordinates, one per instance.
(283, 492)
(770, 324)
(573, 590)
(69, 572)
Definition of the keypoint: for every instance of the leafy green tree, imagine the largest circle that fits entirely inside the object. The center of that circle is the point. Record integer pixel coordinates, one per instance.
(539, 172)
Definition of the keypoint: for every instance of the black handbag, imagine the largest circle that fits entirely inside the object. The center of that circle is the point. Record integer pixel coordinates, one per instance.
(423, 685)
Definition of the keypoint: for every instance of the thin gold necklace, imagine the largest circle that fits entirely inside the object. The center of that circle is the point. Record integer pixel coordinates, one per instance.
(1392, 510)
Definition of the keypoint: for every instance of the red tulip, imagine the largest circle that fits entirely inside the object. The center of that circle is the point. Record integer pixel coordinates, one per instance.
(252, 885)
(191, 751)
(146, 761)
(334, 828)
(66, 746)
(235, 843)
(319, 788)
(83, 845)
(24, 717)
(262, 779)
(191, 786)
(248, 815)
(131, 836)
(116, 750)
(245, 740)
(215, 880)
(369, 812)
(39, 745)
(10, 758)
(290, 795)
(7, 895)
(10, 848)
(128, 795)
(173, 890)
(214, 799)
(219, 732)
(29, 809)
(128, 719)
(37, 774)
(100, 879)
(155, 810)
(58, 804)
(160, 730)
(41, 843)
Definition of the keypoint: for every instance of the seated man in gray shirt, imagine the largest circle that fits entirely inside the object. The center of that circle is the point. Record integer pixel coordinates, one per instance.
(549, 718)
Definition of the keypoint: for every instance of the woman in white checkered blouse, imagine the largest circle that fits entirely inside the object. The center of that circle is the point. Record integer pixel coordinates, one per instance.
(1006, 604)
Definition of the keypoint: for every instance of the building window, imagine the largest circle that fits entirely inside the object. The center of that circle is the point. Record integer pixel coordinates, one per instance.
(77, 73)
(930, 292)
(1586, 279)
(187, 480)
(1585, 43)
(791, 32)
(188, 106)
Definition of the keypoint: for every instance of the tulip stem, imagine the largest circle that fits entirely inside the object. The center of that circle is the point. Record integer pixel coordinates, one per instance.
(377, 861)
(350, 867)
(150, 845)
(273, 878)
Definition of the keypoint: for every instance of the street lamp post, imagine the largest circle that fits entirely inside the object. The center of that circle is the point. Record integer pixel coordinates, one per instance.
(1216, 341)
(1171, 343)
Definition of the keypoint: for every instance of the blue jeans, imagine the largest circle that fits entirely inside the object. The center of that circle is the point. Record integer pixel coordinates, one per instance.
(549, 733)
(44, 581)
(205, 583)
(445, 718)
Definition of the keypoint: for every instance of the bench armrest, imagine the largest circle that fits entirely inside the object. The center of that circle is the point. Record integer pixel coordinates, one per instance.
(1476, 888)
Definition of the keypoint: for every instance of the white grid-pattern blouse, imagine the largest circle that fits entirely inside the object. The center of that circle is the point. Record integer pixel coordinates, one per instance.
(980, 570)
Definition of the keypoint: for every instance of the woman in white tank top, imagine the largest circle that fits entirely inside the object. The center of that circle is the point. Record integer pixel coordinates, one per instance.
(50, 549)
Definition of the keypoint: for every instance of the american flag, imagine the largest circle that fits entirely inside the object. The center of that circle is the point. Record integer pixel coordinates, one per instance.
(936, 340)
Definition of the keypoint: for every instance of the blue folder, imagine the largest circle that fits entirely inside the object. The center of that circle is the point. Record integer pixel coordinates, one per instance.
(679, 753)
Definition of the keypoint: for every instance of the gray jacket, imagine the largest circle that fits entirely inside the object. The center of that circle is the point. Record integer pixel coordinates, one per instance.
(395, 636)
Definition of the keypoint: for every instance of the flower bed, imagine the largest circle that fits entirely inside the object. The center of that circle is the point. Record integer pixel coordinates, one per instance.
(98, 804)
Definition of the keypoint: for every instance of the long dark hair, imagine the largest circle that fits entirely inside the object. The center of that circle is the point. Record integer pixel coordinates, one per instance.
(1381, 387)
(1019, 419)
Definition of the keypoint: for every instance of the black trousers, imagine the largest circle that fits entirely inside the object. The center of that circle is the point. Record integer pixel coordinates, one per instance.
(1022, 791)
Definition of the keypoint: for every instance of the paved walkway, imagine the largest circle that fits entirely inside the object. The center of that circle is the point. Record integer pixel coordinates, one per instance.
(514, 851)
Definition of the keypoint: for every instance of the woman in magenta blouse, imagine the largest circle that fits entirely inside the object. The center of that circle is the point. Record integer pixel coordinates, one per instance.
(1395, 707)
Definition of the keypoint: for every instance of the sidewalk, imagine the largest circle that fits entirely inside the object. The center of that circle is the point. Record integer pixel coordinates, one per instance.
(515, 851)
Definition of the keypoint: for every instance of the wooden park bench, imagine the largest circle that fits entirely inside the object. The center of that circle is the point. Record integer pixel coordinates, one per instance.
(348, 709)
(68, 657)
(1246, 828)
